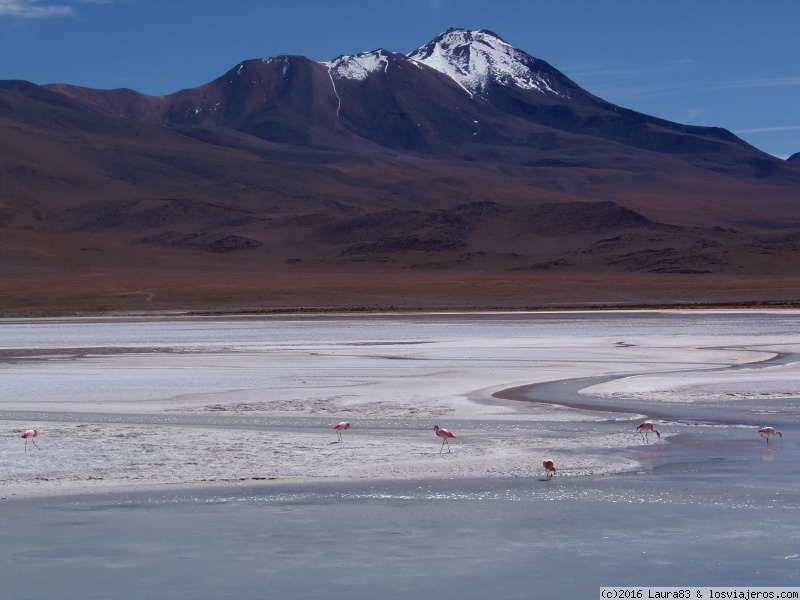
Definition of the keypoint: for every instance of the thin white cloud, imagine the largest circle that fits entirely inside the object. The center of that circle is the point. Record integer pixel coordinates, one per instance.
(628, 85)
(777, 129)
(621, 73)
(38, 9)
(755, 83)
(664, 79)
(33, 9)
(694, 115)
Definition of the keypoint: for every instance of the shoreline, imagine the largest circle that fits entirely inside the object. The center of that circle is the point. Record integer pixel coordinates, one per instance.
(475, 454)
(391, 310)
(211, 423)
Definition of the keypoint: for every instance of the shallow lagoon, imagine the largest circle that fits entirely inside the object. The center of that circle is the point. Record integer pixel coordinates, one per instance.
(522, 538)
(711, 504)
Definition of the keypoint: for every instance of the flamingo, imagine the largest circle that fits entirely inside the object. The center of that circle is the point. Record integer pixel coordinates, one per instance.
(444, 434)
(647, 426)
(768, 431)
(340, 427)
(30, 433)
(549, 468)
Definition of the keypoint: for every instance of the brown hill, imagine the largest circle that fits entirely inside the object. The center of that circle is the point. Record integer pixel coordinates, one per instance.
(287, 183)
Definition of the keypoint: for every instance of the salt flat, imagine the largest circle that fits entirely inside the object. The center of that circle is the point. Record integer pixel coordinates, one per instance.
(196, 457)
(132, 403)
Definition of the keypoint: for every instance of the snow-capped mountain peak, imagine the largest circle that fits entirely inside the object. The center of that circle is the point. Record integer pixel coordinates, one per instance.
(474, 59)
(358, 66)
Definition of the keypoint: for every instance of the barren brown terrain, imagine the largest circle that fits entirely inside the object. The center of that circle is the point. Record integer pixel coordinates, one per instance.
(264, 190)
(77, 275)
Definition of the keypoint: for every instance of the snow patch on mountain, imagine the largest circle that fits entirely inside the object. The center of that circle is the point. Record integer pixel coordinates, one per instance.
(474, 59)
(359, 66)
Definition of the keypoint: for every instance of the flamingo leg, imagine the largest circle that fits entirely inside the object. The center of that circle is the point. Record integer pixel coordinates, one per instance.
(448, 444)
(35, 444)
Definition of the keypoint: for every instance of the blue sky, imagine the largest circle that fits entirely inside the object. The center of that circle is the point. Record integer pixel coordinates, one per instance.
(727, 63)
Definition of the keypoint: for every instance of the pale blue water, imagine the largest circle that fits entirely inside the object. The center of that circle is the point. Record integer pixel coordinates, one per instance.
(713, 505)
(521, 538)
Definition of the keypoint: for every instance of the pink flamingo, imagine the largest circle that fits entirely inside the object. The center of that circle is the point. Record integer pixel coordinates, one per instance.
(340, 427)
(444, 434)
(30, 433)
(647, 426)
(549, 468)
(768, 431)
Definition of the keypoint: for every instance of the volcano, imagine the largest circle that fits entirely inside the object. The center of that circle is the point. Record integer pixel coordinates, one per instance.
(467, 173)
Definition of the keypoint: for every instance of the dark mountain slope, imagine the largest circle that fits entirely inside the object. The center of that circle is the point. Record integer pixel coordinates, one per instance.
(467, 160)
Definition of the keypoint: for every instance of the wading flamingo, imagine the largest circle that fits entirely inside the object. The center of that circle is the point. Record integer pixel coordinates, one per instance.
(549, 468)
(340, 427)
(444, 434)
(645, 427)
(30, 433)
(768, 431)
